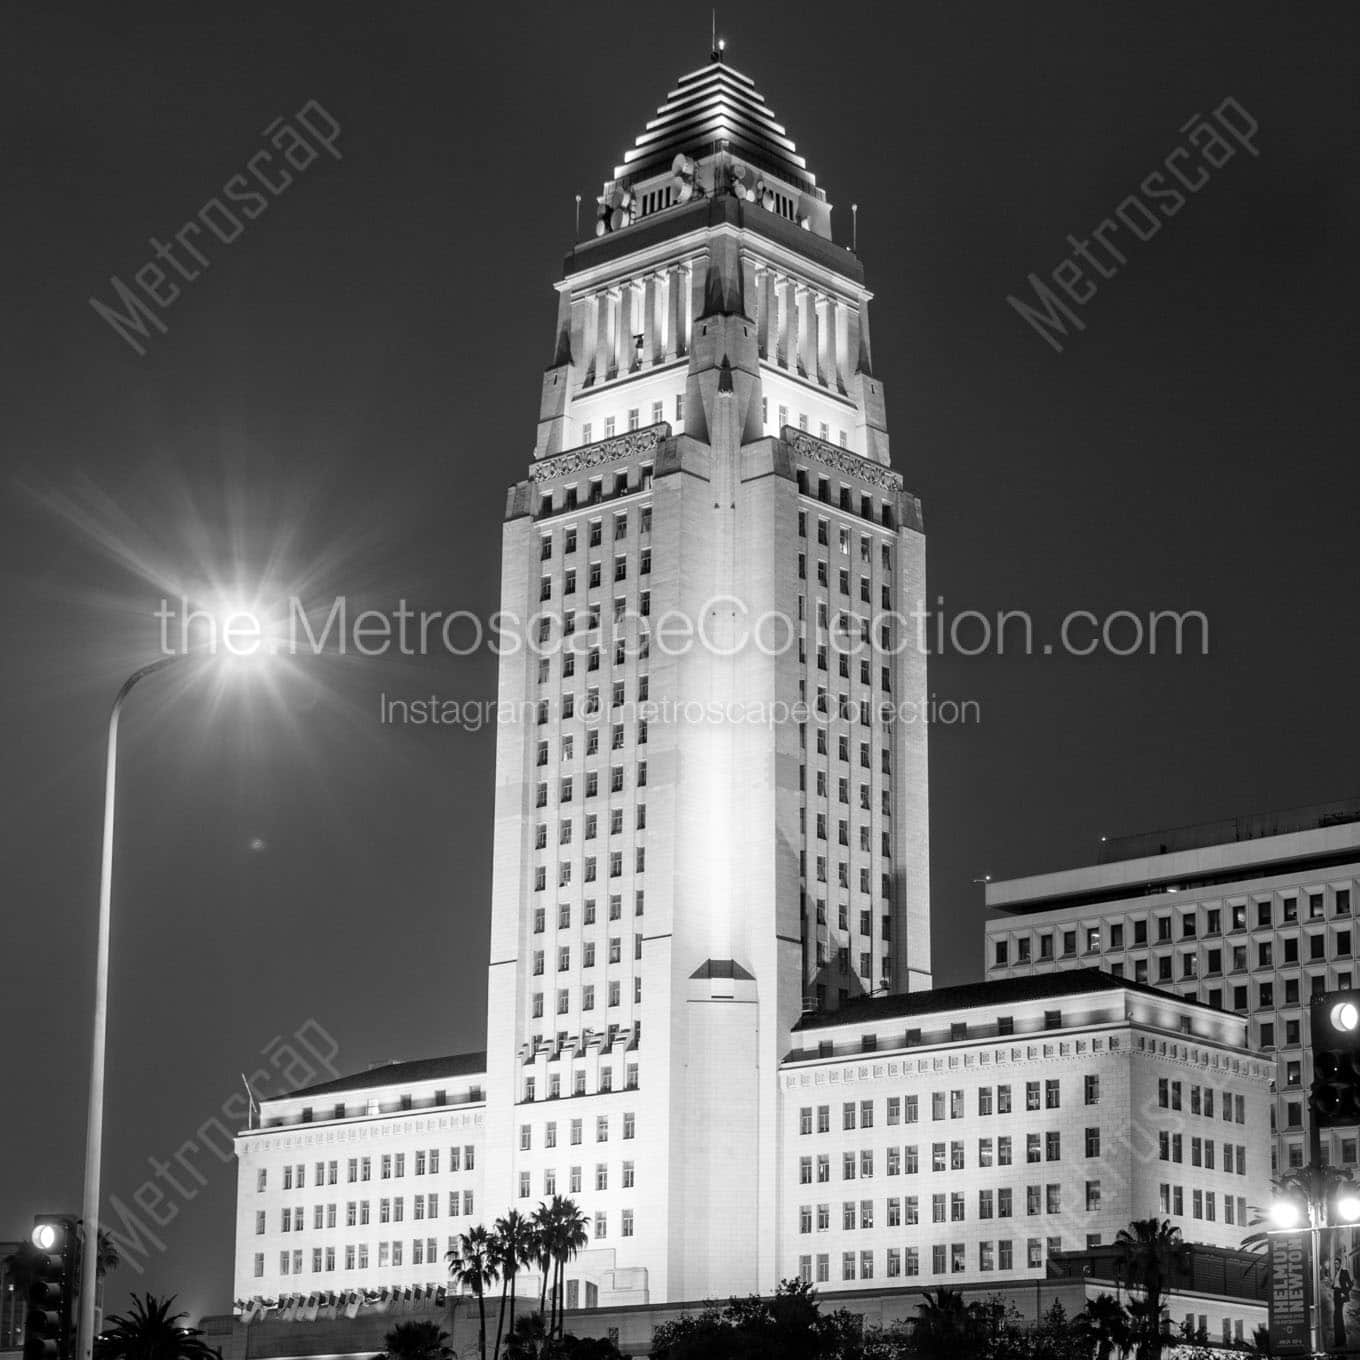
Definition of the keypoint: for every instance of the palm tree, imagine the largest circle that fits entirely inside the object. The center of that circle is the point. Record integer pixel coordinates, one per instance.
(542, 1225)
(568, 1236)
(527, 1339)
(941, 1325)
(1151, 1251)
(417, 1341)
(472, 1263)
(106, 1252)
(106, 1259)
(514, 1246)
(150, 1331)
(1105, 1324)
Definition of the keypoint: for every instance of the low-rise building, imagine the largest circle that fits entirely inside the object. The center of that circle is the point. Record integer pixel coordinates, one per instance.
(361, 1182)
(1254, 914)
(969, 1133)
(964, 1135)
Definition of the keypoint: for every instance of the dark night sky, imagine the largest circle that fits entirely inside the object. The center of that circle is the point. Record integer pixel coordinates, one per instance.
(348, 389)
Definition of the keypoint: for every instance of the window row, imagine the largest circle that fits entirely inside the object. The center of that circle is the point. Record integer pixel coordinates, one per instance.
(390, 1166)
(1170, 1096)
(359, 1212)
(575, 1179)
(897, 1161)
(613, 995)
(588, 912)
(1171, 1147)
(944, 1208)
(575, 1128)
(590, 868)
(1193, 924)
(1045, 1094)
(588, 951)
(1203, 1205)
(946, 1258)
(593, 577)
(621, 482)
(594, 531)
(591, 781)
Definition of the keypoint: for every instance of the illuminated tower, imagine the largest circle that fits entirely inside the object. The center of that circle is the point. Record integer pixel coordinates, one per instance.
(704, 824)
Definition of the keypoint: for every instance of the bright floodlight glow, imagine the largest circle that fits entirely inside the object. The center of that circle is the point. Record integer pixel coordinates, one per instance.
(45, 1236)
(225, 627)
(1284, 1213)
(1345, 1016)
(1348, 1207)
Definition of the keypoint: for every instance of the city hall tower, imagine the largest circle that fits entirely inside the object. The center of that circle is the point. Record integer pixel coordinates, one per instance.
(711, 814)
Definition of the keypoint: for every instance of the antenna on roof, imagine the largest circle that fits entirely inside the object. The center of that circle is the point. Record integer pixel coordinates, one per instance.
(578, 214)
(716, 54)
(253, 1109)
(854, 226)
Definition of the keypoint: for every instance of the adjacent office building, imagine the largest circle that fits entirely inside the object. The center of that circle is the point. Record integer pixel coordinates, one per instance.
(1253, 915)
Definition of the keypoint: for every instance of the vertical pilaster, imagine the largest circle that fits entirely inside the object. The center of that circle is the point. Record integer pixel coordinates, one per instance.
(842, 343)
(762, 311)
(604, 349)
(627, 358)
(826, 313)
(650, 320)
(677, 299)
(590, 339)
(807, 332)
(788, 323)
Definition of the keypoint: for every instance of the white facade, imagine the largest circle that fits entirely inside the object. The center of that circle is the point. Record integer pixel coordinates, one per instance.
(1252, 916)
(361, 1183)
(966, 1133)
(685, 854)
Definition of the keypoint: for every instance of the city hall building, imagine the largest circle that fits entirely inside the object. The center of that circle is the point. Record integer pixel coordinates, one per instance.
(710, 1020)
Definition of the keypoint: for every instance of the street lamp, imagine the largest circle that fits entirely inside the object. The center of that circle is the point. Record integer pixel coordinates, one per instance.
(1286, 1214)
(94, 1127)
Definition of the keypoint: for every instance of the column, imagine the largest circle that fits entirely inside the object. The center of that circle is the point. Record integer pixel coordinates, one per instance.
(807, 333)
(842, 349)
(590, 323)
(677, 296)
(651, 339)
(604, 336)
(627, 351)
(788, 324)
(764, 279)
(826, 339)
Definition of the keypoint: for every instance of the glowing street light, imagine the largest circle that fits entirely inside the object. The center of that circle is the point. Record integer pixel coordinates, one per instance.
(1286, 1214)
(229, 628)
(1348, 1207)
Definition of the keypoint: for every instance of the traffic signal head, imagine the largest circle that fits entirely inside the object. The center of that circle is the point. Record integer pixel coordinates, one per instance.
(49, 1330)
(1334, 1018)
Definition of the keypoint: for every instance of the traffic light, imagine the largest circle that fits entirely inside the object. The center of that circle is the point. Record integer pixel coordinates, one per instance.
(49, 1330)
(1334, 1018)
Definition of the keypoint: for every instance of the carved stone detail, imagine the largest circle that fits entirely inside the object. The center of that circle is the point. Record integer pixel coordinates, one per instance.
(632, 444)
(841, 460)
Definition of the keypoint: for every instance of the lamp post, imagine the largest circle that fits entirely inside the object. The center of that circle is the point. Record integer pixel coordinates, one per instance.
(1318, 1208)
(94, 1126)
